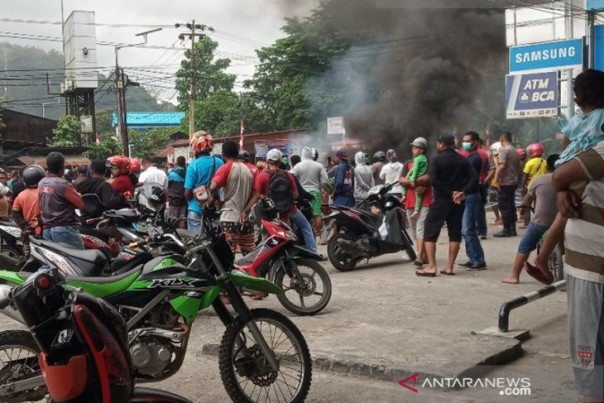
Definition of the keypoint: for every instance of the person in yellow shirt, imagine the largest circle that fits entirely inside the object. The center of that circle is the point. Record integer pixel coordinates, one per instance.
(534, 167)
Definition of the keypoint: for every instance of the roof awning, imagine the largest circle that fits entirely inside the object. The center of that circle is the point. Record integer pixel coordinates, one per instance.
(75, 160)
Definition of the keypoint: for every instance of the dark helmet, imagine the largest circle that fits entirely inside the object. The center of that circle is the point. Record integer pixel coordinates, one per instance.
(32, 175)
(379, 156)
(244, 155)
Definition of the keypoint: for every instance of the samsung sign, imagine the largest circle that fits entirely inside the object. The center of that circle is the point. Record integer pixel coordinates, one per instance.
(547, 56)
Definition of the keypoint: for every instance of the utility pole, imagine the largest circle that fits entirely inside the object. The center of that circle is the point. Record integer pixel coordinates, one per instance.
(192, 27)
(121, 83)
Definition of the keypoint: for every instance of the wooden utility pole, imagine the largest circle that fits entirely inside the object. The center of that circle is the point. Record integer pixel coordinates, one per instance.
(192, 27)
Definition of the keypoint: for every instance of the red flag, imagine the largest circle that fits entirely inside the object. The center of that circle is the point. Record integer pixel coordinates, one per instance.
(241, 136)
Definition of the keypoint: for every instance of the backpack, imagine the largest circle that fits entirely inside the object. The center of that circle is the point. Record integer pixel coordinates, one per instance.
(280, 191)
(176, 190)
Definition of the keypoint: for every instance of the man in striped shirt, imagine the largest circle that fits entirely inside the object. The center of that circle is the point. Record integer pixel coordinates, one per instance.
(585, 266)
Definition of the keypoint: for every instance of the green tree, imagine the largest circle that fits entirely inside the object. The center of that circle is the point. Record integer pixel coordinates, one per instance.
(294, 85)
(105, 148)
(210, 75)
(147, 143)
(67, 132)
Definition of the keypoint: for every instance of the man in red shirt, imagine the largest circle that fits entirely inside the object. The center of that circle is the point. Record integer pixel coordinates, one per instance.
(122, 182)
(261, 188)
(236, 181)
(26, 208)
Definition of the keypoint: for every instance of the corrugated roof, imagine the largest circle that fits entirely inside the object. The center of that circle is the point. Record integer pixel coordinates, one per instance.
(147, 120)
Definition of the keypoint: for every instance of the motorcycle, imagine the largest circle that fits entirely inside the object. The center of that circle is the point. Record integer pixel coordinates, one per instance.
(160, 301)
(353, 234)
(10, 240)
(80, 346)
(279, 258)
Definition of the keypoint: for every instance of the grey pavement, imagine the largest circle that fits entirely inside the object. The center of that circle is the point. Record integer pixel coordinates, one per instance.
(385, 324)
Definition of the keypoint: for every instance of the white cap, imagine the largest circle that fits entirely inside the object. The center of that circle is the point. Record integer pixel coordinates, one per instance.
(274, 155)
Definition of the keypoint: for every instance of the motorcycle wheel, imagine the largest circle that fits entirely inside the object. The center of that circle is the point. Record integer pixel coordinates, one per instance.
(19, 361)
(340, 260)
(556, 264)
(309, 271)
(245, 373)
(11, 251)
(408, 247)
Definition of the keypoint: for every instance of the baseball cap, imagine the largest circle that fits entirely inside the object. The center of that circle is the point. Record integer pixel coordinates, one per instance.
(274, 155)
(420, 142)
(447, 139)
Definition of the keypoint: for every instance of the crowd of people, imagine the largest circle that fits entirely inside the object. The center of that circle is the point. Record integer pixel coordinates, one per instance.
(558, 194)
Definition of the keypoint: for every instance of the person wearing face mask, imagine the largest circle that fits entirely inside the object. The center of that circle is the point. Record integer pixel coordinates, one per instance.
(472, 209)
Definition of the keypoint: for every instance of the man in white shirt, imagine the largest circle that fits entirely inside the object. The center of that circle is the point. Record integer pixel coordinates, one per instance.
(152, 174)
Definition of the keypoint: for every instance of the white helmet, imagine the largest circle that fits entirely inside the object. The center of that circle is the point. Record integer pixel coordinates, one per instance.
(495, 147)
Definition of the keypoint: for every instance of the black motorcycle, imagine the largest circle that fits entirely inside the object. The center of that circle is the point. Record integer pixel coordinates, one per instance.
(375, 228)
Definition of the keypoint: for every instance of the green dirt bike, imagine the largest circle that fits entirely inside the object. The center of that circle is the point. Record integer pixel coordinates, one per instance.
(262, 356)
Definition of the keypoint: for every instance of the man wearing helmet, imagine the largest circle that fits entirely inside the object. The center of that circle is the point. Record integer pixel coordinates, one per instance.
(313, 178)
(122, 182)
(199, 173)
(58, 200)
(26, 207)
(96, 184)
(379, 160)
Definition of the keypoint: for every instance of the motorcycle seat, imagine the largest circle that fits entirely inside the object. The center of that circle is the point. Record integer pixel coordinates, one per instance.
(93, 256)
(104, 280)
(129, 215)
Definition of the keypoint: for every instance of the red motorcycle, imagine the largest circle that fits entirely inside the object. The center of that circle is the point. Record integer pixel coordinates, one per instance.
(278, 257)
(84, 346)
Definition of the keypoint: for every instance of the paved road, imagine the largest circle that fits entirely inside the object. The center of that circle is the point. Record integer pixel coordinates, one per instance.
(383, 316)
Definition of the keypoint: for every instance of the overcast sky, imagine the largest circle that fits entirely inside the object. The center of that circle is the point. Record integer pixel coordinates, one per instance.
(241, 26)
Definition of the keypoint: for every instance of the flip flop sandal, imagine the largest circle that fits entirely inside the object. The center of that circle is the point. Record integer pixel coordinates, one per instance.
(425, 274)
(447, 273)
(538, 274)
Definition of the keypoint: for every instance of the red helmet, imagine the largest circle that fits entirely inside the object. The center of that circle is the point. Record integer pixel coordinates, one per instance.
(120, 162)
(202, 142)
(521, 153)
(535, 150)
(135, 165)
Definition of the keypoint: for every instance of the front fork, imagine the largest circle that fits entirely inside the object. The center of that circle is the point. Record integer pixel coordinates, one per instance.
(244, 313)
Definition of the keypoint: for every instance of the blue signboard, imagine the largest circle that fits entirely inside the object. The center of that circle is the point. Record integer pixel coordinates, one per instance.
(599, 48)
(594, 5)
(531, 95)
(547, 56)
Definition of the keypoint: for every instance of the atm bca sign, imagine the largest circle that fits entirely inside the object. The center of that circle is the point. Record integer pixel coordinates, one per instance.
(532, 95)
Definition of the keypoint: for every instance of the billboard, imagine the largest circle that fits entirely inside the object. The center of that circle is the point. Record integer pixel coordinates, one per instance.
(79, 46)
(532, 95)
(335, 125)
(596, 5)
(548, 56)
(599, 48)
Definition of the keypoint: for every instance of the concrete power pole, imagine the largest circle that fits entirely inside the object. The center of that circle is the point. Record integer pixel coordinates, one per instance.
(192, 27)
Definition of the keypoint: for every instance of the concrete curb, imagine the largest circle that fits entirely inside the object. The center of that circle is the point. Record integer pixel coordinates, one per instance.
(391, 372)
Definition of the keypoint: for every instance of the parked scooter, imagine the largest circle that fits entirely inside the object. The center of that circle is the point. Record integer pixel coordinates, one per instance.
(83, 346)
(354, 234)
(10, 240)
(279, 258)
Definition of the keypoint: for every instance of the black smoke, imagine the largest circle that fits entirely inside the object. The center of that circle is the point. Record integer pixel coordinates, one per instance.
(418, 71)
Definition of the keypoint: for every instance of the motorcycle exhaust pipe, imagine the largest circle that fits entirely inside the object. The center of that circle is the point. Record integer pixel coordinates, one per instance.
(9, 310)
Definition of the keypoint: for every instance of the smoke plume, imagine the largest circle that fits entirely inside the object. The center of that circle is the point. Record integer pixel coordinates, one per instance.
(424, 71)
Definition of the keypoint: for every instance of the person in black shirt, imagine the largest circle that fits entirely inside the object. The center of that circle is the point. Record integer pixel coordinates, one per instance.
(450, 175)
(97, 184)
